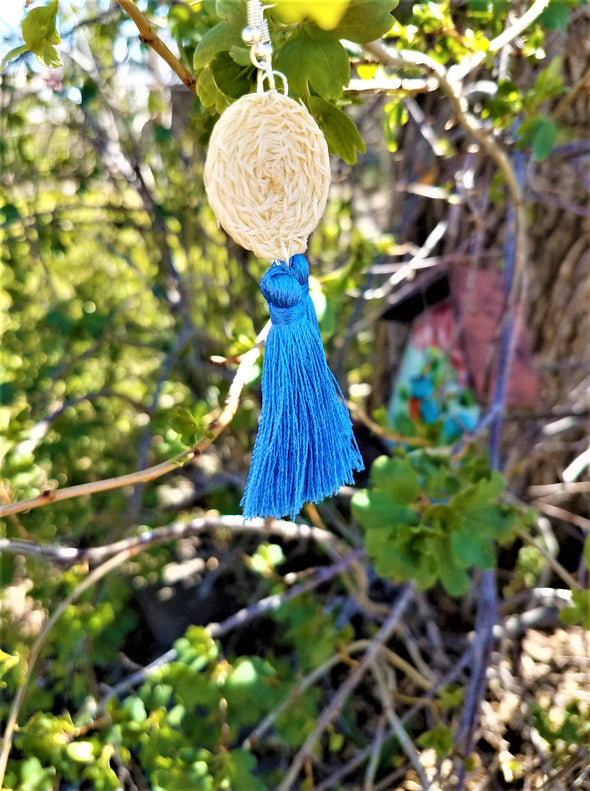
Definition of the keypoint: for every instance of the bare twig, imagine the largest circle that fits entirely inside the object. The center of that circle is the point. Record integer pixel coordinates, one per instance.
(425, 700)
(560, 513)
(369, 782)
(243, 616)
(347, 688)
(236, 524)
(582, 85)
(148, 36)
(509, 35)
(94, 576)
(569, 580)
(298, 690)
(404, 59)
(397, 727)
(487, 616)
(227, 414)
(558, 489)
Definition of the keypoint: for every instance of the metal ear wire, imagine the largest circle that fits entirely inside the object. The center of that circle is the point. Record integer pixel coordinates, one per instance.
(257, 36)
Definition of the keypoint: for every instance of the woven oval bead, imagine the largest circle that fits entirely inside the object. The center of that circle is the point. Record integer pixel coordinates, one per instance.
(267, 174)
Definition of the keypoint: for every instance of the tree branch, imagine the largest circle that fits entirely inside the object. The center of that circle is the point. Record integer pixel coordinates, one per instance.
(290, 531)
(217, 630)
(242, 376)
(404, 59)
(348, 687)
(148, 36)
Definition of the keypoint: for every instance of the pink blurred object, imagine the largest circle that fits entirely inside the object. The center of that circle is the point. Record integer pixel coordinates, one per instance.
(478, 296)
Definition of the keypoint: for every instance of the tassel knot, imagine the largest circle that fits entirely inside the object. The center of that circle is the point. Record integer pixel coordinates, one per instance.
(284, 295)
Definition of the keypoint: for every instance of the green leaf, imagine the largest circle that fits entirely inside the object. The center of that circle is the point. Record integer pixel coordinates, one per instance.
(40, 34)
(240, 765)
(231, 79)
(477, 511)
(556, 16)
(373, 508)
(10, 213)
(548, 84)
(366, 20)
(248, 690)
(7, 394)
(341, 134)
(49, 56)
(197, 648)
(397, 477)
(539, 133)
(232, 10)
(404, 555)
(192, 688)
(579, 612)
(454, 578)
(209, 92)
(34, 777)
(82, 752)
(544, 138)
(395, 115)
(220, 38)
(136, 708)
(38, 27)
(451, 696)
(440, 738)
(12, 55)
(315, 57)
(587, 552)
(473, 550)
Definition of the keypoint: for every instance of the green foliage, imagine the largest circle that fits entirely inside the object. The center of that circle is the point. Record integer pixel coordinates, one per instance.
(430, 518)
(314, 59)
(579, 611)
(312, 630)
(440, 738)
(307, 49)
(40, 36)
(556, 15)
(571, 727)
(339, 130)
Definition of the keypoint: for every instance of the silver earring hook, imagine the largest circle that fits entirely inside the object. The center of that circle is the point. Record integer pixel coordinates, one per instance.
(257, 36)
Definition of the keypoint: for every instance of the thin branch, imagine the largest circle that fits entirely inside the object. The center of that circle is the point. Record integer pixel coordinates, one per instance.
(347, 688)
(512, 32)
(582, 85)
(425, 700)
(369, 782)
(560, 513)
(238, 619)
(558, 489)
(236, 524)
(487, 617)
(242, 376)
(148, 36)
(404, 59)
(94, 576)
(569, 580)
(397, 727)
(298, 690)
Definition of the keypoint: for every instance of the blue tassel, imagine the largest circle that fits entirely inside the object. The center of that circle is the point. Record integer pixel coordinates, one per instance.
(305, 449)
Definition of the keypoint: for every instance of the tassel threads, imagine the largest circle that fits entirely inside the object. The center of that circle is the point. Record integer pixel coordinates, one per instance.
(305, 449)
